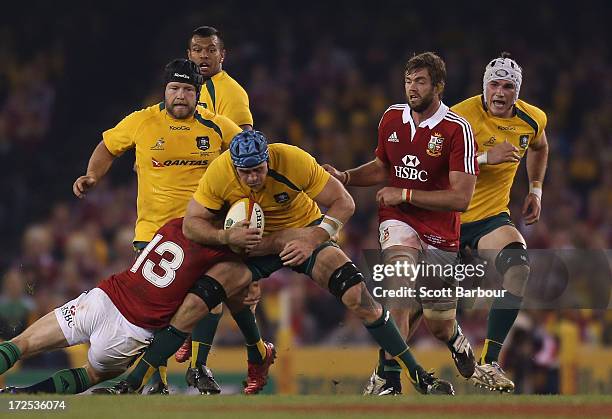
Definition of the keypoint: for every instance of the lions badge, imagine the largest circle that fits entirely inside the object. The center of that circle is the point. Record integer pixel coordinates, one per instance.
(434, 147)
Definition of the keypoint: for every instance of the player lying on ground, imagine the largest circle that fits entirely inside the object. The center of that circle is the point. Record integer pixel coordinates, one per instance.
(288, 184)
(118, 318)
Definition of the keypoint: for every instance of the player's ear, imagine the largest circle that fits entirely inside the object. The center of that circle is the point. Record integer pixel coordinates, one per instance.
(439, 88)
(222, 54)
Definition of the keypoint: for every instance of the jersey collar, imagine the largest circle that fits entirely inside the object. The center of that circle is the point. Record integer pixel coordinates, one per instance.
(430, 122)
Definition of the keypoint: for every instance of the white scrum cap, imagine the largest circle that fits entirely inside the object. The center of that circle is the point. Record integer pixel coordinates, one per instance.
(503, 68)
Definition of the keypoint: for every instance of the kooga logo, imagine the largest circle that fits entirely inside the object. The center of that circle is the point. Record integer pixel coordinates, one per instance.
(183, 76)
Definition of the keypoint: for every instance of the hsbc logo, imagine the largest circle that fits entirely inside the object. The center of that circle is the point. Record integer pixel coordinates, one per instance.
(410, 171)
(410, 160)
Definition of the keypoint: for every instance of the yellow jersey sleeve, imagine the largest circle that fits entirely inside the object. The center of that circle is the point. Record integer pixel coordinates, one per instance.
(123, 136)
(211, 188)
(468, 109)
(235, 106)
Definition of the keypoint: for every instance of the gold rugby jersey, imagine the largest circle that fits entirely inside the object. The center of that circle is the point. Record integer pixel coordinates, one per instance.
(171, 156)
(492, 193)
(223, 95)
(294, 180)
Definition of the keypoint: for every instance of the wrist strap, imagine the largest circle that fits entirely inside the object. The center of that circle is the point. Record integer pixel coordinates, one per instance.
(407, 195)
(482, 158)
(347, 178)
(536, 189)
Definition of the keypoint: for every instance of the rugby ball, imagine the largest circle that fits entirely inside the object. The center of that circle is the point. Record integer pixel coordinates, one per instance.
(244, 209)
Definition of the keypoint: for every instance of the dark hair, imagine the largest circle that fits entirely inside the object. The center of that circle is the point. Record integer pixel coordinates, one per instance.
(432, 63)
(205, 32)
(505, 54)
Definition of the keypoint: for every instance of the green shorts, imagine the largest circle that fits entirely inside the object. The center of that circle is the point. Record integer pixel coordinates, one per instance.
(472, 232)
(264, 266)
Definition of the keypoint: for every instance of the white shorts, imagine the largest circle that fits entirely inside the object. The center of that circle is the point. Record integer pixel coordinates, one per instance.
(399, 233)
(114, 341)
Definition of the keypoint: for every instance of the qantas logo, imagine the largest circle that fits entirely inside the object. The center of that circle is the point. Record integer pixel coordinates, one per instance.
(166, 163)
(409, 171)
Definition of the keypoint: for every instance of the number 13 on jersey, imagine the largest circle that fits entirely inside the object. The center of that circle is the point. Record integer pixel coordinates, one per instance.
(169, 266)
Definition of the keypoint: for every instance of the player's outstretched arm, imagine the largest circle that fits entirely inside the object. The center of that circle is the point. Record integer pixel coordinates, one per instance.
(537, 159)
(198, 226)
(100, 161)
(369, 174)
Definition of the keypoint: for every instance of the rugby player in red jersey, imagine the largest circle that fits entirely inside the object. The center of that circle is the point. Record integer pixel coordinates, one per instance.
(426, 158)
(119, 317)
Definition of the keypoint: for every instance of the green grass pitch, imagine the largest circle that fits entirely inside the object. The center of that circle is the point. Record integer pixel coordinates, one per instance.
(294, 407)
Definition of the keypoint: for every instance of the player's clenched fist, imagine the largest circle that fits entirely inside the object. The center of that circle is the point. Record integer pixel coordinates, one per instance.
(389, 196)
(502, 153)
(83, 184)
(240, 235)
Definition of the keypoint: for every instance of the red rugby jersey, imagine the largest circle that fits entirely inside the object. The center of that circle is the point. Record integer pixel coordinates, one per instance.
(421, 157)
(151, 291)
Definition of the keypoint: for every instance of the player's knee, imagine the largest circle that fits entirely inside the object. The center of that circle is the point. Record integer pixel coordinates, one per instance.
(344, 279)
(442, 329)
(209, 290)
(23, 344)
(352, 298)
(512, 263)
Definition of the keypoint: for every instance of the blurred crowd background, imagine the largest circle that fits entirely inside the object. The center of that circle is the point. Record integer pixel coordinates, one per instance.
(318, 76)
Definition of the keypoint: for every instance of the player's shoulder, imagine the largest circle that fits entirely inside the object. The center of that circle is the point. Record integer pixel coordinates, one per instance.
(228, 83)
(468, 106)
(456, 121)
(217, 118)
(172, 227)
(214, 121)
(532, 111)
(287, 156)
(393, 113)
(147, 113)
(284, 148)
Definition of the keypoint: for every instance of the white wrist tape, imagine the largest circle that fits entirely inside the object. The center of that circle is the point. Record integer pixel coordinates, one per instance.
(537, 191)
(331, 225)
(482, 158)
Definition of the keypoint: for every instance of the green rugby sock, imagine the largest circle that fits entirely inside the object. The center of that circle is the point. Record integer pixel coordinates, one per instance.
(202, 339)
(380, 368)
(165, 343)
(501, 318)
(385, 333)
(72, 381)
(245, 319)
(9, 354)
